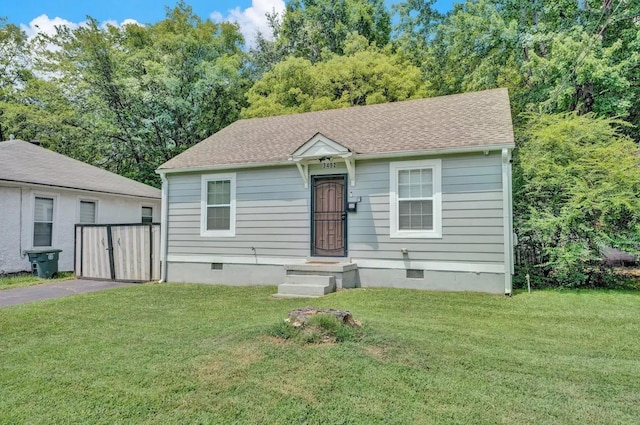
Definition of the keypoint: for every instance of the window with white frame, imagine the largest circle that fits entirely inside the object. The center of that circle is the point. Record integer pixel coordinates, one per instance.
(415, 199)
(43, 221)
(147, 214)
(87, 212)
(218, 213)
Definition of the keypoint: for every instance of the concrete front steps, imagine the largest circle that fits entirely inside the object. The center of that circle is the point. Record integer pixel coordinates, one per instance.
(306, 286)
(317, 278)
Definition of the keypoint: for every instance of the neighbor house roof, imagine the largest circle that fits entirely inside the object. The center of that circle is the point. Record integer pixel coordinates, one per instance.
(447, 123)
(24, 162)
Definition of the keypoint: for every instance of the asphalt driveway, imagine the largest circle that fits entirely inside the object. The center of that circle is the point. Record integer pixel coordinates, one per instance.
(47, 291)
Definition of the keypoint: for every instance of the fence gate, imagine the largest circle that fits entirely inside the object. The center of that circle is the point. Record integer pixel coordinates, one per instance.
(122, 252)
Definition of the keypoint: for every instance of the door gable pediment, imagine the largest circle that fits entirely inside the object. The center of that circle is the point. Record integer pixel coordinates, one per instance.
(318, 146)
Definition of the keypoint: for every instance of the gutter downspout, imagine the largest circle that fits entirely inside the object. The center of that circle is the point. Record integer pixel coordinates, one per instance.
(507, 216)
(164, 225)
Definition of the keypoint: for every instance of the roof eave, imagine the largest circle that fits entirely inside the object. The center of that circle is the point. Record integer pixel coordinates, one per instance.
(361, 156)
(77, 189)
(435, 152)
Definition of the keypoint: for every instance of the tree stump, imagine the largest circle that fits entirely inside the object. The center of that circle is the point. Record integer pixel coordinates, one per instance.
(300, 316)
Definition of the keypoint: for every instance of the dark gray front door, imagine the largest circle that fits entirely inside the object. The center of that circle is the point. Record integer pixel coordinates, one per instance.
(328, 216)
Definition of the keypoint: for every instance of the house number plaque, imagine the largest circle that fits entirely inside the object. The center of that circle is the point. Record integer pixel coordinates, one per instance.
(328, 165)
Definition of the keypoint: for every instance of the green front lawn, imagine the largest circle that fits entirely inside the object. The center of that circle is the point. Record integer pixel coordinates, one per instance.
(27, 279)
(202, 354)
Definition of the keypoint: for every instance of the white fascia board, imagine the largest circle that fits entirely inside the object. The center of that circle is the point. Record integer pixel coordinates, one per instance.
(433, 152)
(355, 156)
(214, 168)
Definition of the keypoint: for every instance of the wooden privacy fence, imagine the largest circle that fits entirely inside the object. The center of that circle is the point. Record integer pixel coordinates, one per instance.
(123, 252)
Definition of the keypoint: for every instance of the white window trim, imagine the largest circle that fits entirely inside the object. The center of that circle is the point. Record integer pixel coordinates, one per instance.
(85, 199)
(54, 227)
(206, 178)
(394, 168)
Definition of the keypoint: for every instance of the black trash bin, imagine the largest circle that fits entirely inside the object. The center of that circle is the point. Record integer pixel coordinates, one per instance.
(44, 262)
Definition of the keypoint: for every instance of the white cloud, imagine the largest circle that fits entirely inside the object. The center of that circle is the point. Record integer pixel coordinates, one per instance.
(46, 25)
(252, 19)
(130, 21)
(114, 23)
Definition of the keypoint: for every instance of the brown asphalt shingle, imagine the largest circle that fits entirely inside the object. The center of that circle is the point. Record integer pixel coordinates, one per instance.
(458, 121)
(24, 162)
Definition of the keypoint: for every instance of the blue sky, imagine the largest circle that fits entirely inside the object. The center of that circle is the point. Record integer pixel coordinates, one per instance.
(248, 13)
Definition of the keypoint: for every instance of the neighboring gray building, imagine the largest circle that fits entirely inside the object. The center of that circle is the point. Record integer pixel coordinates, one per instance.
(413, 194)
(44, 194)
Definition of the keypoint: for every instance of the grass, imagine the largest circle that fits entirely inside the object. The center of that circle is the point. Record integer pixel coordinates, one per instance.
(155, 354)
(321, 328)
(27, 279)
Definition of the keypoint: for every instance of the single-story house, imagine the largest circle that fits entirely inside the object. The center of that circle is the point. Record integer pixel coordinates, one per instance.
(44, 194)
(413, 194)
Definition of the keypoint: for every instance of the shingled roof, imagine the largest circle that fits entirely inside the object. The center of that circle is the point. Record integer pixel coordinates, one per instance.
(24, 162)
(455, 122)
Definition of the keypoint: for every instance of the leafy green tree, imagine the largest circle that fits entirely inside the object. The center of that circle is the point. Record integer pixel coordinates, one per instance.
(311, 26)
(14, 69)
(579, 71)
(364, 75)
(417, 25)
(578, 192)
(143, 94)
(312, 29)
(475, 48)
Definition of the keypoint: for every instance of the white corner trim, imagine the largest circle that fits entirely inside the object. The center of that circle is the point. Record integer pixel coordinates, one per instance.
(164, 224)
(507, 219)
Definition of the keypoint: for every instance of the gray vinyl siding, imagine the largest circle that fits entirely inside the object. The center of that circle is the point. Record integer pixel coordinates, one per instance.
(272, 214)
(472, 223)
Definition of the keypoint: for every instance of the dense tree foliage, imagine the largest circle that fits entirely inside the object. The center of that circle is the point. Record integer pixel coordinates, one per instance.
(581, 181)
(14, 69)
(129, 98)
(311, 29)
(364, 75)
(132, 97)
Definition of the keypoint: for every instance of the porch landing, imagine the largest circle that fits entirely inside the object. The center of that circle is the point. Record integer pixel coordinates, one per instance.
(316, 278)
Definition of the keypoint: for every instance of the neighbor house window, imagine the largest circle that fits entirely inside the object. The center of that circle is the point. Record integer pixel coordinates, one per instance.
(87, 212)
(415, 199)
(43, 221)
(218, 205)
(147, 214)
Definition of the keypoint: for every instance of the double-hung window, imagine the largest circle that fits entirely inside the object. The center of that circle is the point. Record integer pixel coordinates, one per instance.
(415, 199)
(43, 221)
(87, 212)
(218, 211)
(147, 214)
